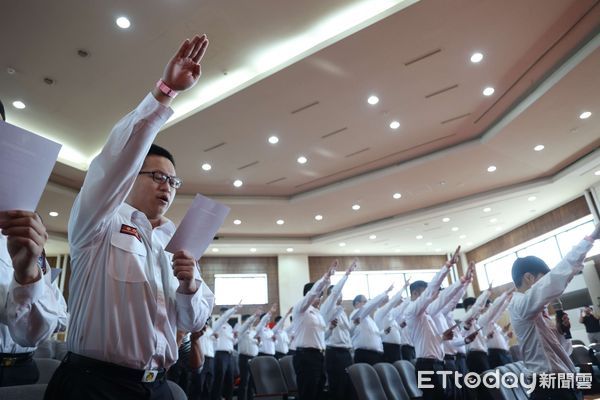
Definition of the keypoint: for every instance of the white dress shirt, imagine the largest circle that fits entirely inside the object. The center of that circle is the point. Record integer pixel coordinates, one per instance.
(339, 336)
(448, 300)
(485, 322)
(30, 313)
(385, 317)
(281, 338)
(309, 325)
(498, 340)
(367, 335)
(124, 300)
(207, 343)
(542, 346)
(247, 343)
(423, 331)
(267, 341)
(224, 331)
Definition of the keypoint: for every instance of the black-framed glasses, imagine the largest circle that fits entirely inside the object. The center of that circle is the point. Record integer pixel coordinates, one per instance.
(161, 177)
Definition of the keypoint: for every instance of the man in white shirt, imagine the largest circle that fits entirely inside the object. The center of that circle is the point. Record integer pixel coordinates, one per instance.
(223, 331)
(265, 335)
(282, 341)
(202, 388)
(309, 338)
(544, 348)
(128, 297)
(247, 349)
(31, 307)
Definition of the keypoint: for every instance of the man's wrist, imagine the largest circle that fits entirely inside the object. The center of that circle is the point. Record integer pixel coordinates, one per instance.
(161, 97)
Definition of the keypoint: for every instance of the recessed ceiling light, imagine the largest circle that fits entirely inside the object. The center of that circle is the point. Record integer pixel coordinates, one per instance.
(397, 251)
(476, 57)
(252, 250)
(123, 22)
(488, 91)
(419, 237)
(356, 207)
(462, 236)
(342, 244)
(597, 173)
(289, 249)
(585, 115)
(280, 222)
(494, 220)
(539, 147)
(206, 166)
(319, 217)
(487, 209)
(238, 183)
(237, 221)
(18, 104)
(438, 250)
(302, 160)
(394, 124)
(53, 214)
(373, 237)
(491, 168)
(372, 100)
(498, 228)
(357, 250)
(273, 139)
(215, 250)
(531, 198)
(397, 196)
(428, 244)
(454, 228)
(446, 219)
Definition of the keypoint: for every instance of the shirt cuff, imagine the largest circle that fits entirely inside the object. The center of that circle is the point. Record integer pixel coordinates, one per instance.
(29, 293)
(150, 106)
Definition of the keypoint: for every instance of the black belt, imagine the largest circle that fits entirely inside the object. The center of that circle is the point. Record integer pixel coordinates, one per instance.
(309, 350)
(460, 355)
(433, 361)
(450, 357)
(498, 351)
(12, 359)
(338, 349)
(114, 370)
(223, 351)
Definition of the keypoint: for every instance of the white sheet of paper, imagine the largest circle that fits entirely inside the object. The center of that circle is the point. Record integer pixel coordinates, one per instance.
(199, 226)
(26, 161)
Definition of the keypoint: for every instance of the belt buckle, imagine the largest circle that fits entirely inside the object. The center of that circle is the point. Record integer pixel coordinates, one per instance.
(8, 361)
(149, 375)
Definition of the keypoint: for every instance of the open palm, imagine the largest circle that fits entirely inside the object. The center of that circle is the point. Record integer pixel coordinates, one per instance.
(183, 70)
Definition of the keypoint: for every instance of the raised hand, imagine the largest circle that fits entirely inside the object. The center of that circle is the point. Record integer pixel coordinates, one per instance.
(454, 258)
(390, 288)
(183, 70)
(471, 337)
(331, 269)
(26, 237)
(596, 234)
(184, 266)
(352, 267)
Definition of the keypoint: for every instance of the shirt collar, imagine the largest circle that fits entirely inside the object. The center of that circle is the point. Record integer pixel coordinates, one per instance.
(128, 211)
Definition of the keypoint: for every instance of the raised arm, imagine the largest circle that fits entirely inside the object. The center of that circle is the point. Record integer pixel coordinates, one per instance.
(371, 305)
(315, 291)
(279, 325)
(222, 320)
(448, 296)
(328, 306)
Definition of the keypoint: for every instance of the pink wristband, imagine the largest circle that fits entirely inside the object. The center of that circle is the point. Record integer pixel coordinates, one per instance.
(167, 91)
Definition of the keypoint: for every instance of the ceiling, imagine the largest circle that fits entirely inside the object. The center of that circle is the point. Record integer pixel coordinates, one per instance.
(303, 72)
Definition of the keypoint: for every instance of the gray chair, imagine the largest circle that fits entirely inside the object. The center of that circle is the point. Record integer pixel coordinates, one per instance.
(391, 382)
(44, 350)
(366, 382)
(409, 378)
(519, 392)
(577, 342)
(267, 377)
(515, 352)
(46, 367)
(497, 393)
(23, 392)
(289, 374)
(176, 391)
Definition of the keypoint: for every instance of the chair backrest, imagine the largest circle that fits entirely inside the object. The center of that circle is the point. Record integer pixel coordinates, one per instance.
(507, 393)
(366, 382)
(391, 382)
(581, 356)
(595, 347)
(267, 377)
(409, 377)
(515, 352)
(577, 342)
(519, 392)
(23, 392)
(177, 391)
(286, 364)
(46, 367)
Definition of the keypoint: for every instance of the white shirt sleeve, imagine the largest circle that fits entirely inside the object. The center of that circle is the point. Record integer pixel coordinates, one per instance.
(419, 306)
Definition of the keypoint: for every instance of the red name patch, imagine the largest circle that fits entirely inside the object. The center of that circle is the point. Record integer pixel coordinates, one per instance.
(130, 230)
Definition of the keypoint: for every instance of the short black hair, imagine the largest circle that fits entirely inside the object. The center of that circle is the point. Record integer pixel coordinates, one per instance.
(468, 302)
(2, 111)
(223, 309)
(307, 288)
(329, 289)
(277, 318)
(245, 317)
(532, 264)
(358, 299)
(156, 150)
(417, 285)
(262, 315)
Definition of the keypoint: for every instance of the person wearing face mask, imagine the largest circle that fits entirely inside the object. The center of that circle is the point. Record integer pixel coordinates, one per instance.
(545, 348)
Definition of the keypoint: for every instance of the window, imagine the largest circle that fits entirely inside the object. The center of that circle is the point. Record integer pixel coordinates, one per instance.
(250, 288)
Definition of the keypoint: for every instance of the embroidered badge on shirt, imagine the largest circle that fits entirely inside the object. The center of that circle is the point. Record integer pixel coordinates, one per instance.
(130, 230)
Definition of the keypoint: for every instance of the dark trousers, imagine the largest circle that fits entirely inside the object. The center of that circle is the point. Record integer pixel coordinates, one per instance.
(201, 385)
(461, 363)
(279, 355)
(309, 365)
(408, 352)
(265, 354)
(392, 352)
(555, 394)
(452, 391)
(180, 374)
(431, 367)
(367, 356)
(337, 359)
(23, 372)
(244, 391)
(223, 382)
(477, 361)
(498, 357)
(85, 378)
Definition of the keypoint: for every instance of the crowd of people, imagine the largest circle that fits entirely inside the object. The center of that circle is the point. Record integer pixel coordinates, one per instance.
(138, 315)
